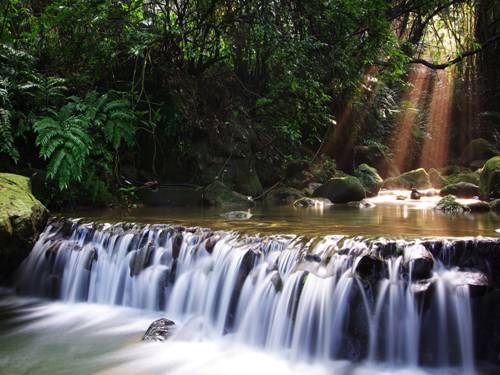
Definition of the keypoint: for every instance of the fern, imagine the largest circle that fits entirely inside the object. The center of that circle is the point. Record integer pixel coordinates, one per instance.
(65, 141)
(7, 145)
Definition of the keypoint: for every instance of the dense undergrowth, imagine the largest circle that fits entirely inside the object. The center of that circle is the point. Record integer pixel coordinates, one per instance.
(182, 91)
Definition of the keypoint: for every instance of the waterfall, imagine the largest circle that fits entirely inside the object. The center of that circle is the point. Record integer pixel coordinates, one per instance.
(394, 302)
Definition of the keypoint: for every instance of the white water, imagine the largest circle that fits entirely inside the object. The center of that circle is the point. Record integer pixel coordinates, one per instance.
(248, 297)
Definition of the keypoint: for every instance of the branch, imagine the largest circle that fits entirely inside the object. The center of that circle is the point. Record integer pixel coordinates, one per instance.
(459, 58)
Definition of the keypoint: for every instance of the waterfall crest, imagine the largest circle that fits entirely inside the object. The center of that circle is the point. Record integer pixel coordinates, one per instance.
(396, 302)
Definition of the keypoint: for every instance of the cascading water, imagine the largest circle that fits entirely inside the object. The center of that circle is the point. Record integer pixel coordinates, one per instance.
(394, 302)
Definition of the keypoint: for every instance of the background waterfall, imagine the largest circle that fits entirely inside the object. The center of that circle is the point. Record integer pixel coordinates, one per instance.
(397, 302)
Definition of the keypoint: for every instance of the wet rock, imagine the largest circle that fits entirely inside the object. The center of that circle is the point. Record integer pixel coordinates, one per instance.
(218, 194)
(22, 217)
(313, 258)
(479, 206)
(450, 205)
(141, 259)
(418, 262)
(489, 182)
(159, 330)
(366, 204)
(210, 244)
(311, 202)
(90, 256)
(477, 281)
(400, 198)
(283, 195)
(369, 178)
(370, 267)
(341, 190)
(417, 178)
(415, 194)
(237, 215)
(277, 282)
(460, 190)
(177, 240)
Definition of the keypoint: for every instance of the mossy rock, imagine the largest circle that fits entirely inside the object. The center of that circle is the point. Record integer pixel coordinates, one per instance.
(495, 205)
(478, 149)
(341, 190)
(456, 174)
(489, 182)
(376, 156)
(218, 194)
(22, 217)
(417, 178)
(437, 180)
(283, 195)
(369, 178)
(450, 205)
(461, 190)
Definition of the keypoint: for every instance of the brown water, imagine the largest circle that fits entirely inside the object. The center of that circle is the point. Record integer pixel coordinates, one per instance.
(389, 218)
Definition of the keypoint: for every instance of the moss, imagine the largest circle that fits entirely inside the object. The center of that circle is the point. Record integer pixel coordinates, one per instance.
(490, 179)
(218, 194)
(22, 216)
(461, 190)
(341, 190)
(478, 149)
(417, 178)
(449, 205)
(369, 178)
(437, 180)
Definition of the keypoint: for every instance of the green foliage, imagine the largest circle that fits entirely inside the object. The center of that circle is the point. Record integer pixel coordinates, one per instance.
(66, 137)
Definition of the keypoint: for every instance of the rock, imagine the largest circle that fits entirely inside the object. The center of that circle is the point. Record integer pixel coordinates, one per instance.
(400, 197)
(309, 190)
(489, 182)
(449, 204)
(460, 190)
(418, 262)
(437, 180)
(283, 195)
(374, 155)
(311, 202)
(22, 218)
(415, 194)
(218, 194)
(313, 258)
(369, 178)
(237, 215)
(170, 195)
(366, 204)
(454, 174)
(140, 259)
(477, 282)
(159, 330)
(495, 205)
(478, 149)
(479, 206)
(341, 190)
(417, 178)
(296, 168)
(370, 267)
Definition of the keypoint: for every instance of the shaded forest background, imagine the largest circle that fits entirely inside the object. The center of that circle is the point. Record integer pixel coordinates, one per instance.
(242, 92)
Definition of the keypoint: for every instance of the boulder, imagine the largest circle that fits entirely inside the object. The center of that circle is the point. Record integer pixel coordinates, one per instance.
(460, 190)
(283, 195)
(450, 205)
(415, 194)
(437, 180)
(454, 174)
(376, 156)
(311, 202)
(218, 194)
(479, 206)
(489, 182)
(159, 330)
(418, 262)
(341, 190)
(22, 218)
(369, 178)
(495, 205)
(417, 178)
(478, 149)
